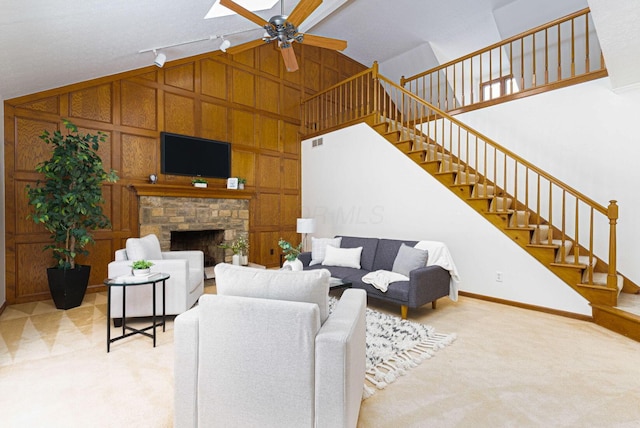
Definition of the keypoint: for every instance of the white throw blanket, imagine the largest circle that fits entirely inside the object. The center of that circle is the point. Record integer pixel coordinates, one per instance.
(381, 279)
(439, 255)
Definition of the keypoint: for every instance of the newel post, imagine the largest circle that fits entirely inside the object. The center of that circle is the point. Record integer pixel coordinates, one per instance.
(612, 213)
(376, 92)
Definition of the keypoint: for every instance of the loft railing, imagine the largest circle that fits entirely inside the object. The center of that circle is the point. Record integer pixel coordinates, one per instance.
(516, 184)
(563, 52)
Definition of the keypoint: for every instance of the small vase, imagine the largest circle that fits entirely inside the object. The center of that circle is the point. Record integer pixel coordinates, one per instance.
(141, 272)
(244, 260)
(241, 186)
(295, 264)
(235, 259)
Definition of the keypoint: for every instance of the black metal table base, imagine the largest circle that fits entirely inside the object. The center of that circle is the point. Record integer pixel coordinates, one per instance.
(128, 331)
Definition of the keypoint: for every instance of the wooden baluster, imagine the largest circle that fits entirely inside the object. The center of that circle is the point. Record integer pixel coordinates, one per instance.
(546, 56)
(576, 238)
(573, 49)
(587, 61)
(612, 213)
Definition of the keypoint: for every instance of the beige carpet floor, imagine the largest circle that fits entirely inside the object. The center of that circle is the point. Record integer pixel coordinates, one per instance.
(509, 367)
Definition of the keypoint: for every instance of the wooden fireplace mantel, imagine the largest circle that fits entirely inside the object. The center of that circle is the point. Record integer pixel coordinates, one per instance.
(189, 191)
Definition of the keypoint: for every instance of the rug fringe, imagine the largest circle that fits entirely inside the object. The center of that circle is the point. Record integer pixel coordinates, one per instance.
(388, 371)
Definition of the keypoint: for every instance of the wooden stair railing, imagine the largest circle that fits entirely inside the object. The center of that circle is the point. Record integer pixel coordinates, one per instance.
(561, 53)
(555, 223)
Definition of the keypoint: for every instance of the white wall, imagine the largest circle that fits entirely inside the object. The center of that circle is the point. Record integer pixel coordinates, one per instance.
(587, 136)
(356, 183)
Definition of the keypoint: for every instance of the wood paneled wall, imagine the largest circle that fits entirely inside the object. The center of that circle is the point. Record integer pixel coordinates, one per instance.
(247, 99)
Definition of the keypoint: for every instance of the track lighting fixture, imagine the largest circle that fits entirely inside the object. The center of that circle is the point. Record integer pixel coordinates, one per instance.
(160, 59)
(225, 44)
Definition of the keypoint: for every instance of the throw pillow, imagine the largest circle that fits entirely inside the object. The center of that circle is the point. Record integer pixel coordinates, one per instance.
(319, 248)
(310, 286)
(345, 257)
(408, 259)
(145, 248)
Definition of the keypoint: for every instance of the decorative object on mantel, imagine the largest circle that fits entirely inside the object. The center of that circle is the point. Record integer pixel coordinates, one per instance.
(291, 254)
(67, 200)
(141, 267)
(395, 346)
(240, 248)
(153, 179)
(305, 226)
(232, 183)
(241, 183)
(199, 182)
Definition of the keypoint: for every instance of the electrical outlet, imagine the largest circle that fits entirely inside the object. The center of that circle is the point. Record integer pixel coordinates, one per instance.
(498, 276)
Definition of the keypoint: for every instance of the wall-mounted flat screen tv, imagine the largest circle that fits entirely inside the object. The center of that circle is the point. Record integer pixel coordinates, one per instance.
(197, 157)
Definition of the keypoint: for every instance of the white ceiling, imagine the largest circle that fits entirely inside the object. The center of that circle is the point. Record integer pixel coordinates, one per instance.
(50, 43)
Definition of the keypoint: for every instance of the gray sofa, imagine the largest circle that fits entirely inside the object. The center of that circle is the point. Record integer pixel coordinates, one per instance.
(426, 284)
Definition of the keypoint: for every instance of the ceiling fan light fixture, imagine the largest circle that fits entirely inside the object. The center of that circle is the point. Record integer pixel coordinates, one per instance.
(160, 59)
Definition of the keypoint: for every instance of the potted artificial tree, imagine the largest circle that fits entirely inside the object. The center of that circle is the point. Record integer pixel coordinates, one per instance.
(67, 201)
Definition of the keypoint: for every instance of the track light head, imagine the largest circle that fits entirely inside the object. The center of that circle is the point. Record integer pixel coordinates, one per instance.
(225, 45)
(160, 59)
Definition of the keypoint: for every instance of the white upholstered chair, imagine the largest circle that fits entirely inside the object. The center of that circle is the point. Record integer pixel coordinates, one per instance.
(183, 288)
(265, 352)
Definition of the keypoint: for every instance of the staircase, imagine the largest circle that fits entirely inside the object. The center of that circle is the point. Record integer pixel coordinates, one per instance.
(557, 225)
(575, 265)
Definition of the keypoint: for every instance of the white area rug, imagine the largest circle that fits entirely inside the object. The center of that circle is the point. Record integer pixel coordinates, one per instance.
(394, 346)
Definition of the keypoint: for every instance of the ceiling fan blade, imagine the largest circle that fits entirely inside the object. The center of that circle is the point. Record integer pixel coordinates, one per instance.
(324, 42)
(229, 4)
(289, 57)
(302, 11)
(245, 46)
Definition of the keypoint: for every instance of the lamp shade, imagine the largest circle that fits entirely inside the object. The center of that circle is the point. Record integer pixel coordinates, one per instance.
(306, 225)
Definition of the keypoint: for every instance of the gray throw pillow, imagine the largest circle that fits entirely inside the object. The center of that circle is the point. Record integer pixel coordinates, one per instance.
(408, 259)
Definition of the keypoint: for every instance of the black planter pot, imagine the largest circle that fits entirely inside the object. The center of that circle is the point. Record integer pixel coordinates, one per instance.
(67, 286)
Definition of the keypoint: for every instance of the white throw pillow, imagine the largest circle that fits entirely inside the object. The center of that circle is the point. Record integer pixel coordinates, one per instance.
(345, 257)
(145, 248)
(319, 248)
(310, 286)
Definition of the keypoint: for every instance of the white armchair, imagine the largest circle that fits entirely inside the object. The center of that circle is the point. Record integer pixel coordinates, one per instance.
(183, 288)
(265, 352)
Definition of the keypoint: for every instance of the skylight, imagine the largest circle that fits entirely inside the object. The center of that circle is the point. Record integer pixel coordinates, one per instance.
(217, 11)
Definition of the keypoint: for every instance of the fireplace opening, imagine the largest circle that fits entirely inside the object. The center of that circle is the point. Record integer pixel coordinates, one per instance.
(207, 241)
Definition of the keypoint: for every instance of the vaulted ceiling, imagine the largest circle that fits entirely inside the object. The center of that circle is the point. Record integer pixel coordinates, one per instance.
(49, 43)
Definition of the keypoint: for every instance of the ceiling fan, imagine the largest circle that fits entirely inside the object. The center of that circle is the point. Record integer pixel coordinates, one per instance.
(284, 30)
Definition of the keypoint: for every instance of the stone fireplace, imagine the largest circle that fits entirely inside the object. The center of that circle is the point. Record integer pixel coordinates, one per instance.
(166, 215)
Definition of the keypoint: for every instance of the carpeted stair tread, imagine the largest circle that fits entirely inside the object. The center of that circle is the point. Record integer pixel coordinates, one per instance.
(452, 167)
(600, 278)
(464, 178)
(520, 219)
(483, 190)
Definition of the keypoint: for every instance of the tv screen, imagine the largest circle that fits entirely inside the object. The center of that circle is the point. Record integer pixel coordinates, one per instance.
(197, 157)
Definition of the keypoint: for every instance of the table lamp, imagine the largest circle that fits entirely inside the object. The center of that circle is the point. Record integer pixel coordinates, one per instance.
(305, 226)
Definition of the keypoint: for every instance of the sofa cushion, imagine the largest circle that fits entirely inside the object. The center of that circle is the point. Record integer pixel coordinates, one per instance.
(386, 253)
(369, 246)
(318, 248)
(299, 286)
(346, 257)
(345, 273)
(397, 292)
(145, 248)
(408, 259)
